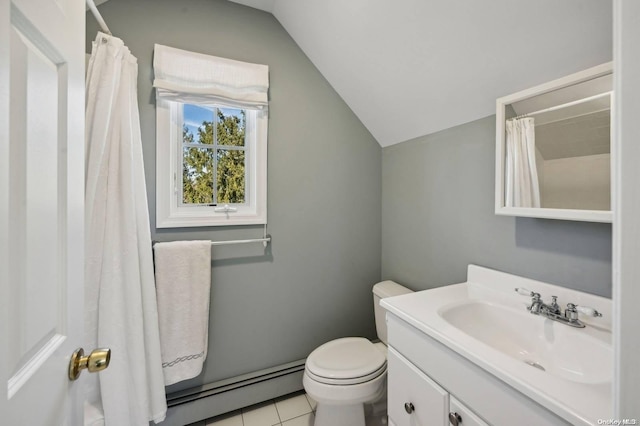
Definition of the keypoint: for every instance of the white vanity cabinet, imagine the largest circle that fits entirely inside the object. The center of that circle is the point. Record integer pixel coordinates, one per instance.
(475, 343)
(416, 400)
(425, 373)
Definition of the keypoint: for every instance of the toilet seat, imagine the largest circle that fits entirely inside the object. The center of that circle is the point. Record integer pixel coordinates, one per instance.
(350, 380)
(346, 361)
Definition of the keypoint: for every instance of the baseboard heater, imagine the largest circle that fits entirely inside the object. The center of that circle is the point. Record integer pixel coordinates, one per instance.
(213, 399)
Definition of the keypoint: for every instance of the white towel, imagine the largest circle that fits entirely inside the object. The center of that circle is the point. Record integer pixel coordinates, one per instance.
(183, 282)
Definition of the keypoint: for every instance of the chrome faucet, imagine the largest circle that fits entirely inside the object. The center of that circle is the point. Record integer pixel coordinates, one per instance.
(553, 311)
(536, 302)
(554, 307)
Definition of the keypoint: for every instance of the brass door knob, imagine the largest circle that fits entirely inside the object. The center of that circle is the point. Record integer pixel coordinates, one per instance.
(97, 360)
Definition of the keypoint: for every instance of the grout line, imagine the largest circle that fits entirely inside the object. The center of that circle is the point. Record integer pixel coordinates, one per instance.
(273, 401)
(301, 415)
(277, 411)
(313, 409)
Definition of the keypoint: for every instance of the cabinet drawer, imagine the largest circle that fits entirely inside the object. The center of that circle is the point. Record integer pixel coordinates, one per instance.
(413, 398)
(468, 417)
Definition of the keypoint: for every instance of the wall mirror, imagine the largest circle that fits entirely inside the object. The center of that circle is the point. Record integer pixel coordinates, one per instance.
(553, 149)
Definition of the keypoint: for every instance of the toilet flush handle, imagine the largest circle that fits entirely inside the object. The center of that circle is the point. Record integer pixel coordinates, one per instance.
(408, 407)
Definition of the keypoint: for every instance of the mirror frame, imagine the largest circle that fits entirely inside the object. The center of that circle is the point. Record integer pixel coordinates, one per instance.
(541, 212)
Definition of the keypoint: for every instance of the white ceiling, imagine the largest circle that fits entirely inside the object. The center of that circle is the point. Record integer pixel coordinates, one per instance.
(408, 68)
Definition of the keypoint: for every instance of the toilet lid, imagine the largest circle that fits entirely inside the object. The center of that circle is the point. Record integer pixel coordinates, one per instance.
(346, 359)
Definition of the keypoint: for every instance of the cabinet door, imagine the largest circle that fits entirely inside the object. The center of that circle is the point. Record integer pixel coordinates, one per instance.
(413, 398)
(465, 416)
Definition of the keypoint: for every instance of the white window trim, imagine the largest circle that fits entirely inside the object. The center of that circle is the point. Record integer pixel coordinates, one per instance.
(169, 212)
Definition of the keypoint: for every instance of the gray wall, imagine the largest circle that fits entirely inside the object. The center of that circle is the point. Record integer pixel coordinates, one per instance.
(328, 178)
(314, 282)
(438, 217)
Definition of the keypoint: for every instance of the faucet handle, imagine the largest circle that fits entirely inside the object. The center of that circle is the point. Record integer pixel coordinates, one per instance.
(525, 292)
(572, 311)
(536, 303)
(587, 310)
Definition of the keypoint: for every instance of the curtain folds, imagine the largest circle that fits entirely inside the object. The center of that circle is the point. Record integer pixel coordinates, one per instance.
(120, 297)
(521, 175)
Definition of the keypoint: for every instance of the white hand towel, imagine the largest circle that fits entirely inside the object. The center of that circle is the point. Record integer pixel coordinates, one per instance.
(183, 282)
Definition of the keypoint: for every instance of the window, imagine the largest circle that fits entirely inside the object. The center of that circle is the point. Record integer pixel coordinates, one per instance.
(211, 155)
(211, 166)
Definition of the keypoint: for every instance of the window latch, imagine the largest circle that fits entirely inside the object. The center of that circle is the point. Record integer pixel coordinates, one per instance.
(225, 209)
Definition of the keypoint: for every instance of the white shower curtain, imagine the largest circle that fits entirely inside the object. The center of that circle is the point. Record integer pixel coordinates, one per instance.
(121, 310)
(521, 175)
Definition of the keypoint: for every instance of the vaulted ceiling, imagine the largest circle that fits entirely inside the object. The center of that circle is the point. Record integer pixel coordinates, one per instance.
(408, 68)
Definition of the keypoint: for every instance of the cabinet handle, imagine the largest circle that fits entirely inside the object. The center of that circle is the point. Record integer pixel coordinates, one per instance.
(455, 419)
(408, 407)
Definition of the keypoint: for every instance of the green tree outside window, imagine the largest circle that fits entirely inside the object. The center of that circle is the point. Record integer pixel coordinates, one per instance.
(226, 158)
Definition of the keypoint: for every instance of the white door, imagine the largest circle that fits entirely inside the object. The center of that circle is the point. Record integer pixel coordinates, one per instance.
(41, 209)
(626, 222)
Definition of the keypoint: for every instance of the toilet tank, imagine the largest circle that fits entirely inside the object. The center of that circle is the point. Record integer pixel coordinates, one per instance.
(380, 291)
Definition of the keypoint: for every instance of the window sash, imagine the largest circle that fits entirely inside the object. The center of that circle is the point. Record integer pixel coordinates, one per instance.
(169, 212)
(215, 147)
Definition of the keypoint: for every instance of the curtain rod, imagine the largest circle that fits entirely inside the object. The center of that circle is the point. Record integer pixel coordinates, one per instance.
(96, 13)
(568, 104)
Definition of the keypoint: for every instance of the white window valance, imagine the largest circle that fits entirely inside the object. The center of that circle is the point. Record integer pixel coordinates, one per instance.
(195, 78)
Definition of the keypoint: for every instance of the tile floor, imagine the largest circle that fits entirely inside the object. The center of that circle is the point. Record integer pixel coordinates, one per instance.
(297, 409)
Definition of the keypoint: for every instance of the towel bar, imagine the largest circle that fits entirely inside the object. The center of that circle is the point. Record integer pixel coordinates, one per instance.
(266, 240)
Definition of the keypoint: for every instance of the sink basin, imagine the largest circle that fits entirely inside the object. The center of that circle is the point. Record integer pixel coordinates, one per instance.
(557, 349)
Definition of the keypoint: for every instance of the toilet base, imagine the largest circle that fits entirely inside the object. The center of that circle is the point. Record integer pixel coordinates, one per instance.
(339, 415)
(373, 413)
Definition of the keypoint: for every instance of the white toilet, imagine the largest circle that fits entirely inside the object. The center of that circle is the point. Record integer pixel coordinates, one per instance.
(345, 374)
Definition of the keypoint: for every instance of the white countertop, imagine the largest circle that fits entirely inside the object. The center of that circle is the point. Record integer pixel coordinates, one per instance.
(578, 402)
